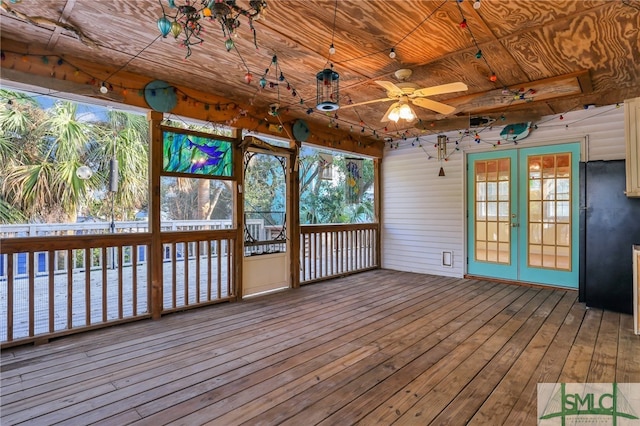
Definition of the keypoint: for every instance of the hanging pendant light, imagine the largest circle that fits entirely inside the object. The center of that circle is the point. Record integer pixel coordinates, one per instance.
(164, 25)
(176, 29)
(229, 44)
(328, 90)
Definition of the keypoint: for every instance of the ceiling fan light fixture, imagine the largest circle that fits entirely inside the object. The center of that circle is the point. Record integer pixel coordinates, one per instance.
(406, 113)
(394, 115)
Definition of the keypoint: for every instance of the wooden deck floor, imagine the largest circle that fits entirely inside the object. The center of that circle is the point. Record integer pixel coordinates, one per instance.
(376, 348)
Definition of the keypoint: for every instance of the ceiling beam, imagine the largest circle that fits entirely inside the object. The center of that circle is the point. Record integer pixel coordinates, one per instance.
(66, 12)
(478, 123)
(567, 85)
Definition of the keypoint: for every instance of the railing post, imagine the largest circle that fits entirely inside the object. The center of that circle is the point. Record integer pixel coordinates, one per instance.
(294, 215)
(155, 258)
(377, 205)
(238, 198)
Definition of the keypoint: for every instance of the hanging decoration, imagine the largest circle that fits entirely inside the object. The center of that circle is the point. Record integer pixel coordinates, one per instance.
(442, 151)
(326, 166)
(279, 81)
(515, 132)
(160, 96)
(187, 20)
(441, 145)
(353, 181)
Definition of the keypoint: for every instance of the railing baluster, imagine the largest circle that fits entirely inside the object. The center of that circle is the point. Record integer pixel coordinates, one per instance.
(120, 282)
(69, 288)
(31, 268)
(323, 264)
(209, 274)
(314, 253)
(197, 256)
(174, 259)
(87, 285)
(161, 278)
(105, 283)
(219, 267)
(134, 278)
(10, 284)
(230, 251)
(51, 291)
(185, 275)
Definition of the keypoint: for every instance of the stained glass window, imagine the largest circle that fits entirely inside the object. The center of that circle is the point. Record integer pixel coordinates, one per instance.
(196, 155)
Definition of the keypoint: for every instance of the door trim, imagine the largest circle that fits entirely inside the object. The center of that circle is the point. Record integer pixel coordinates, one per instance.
(581, 153)
(264, 263)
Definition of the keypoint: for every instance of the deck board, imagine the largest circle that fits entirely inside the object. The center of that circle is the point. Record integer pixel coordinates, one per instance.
(381, 347)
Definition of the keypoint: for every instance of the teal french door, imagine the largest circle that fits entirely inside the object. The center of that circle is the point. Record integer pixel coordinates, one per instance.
(522, 218)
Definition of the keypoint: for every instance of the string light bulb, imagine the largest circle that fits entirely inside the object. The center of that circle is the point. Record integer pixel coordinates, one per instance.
(104, 89)
(476, 5)
(332, 49)
(463, 24)
(392, 53)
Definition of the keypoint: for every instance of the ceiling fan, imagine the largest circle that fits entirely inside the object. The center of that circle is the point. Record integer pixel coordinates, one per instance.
(404, 93)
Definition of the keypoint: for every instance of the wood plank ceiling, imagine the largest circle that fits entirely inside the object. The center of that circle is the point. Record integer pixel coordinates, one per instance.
(548, 57)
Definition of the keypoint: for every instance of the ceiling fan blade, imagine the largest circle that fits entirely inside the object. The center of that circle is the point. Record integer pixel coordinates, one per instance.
(444, 88)
(366, 102)
(385, 117)
(392, 89)
(434, 106)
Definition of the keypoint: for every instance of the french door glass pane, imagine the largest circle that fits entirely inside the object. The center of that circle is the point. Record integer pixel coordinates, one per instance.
(549, 206)
(493, 207)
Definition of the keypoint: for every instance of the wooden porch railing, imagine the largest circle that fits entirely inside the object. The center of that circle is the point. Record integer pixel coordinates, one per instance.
(58, 285)
(328, 251)
(199, 269)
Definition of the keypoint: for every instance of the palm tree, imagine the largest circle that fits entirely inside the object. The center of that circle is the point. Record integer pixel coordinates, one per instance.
(124, 137)
(40, 151)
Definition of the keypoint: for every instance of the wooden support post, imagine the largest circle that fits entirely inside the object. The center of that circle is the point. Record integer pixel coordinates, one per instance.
(294, 216)
(377, 207)
(155, 256)
(238, 198)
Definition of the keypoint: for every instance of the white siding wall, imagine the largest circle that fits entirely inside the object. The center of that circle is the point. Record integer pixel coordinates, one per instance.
(423, 214)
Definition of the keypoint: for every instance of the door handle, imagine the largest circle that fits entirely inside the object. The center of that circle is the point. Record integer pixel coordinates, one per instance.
(515, 225)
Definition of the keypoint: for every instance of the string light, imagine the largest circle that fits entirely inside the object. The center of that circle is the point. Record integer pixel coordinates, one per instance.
(332, 49)
(476, 5)
(392, 53)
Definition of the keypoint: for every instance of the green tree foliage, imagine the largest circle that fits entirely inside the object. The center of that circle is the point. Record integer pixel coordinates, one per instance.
(322, 195)
(265, 185)
(41, 150)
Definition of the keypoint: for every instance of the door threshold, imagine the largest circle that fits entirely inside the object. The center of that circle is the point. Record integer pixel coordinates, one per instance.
(519, 283)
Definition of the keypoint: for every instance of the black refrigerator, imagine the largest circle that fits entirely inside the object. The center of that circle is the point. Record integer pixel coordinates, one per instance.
(610, 224)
